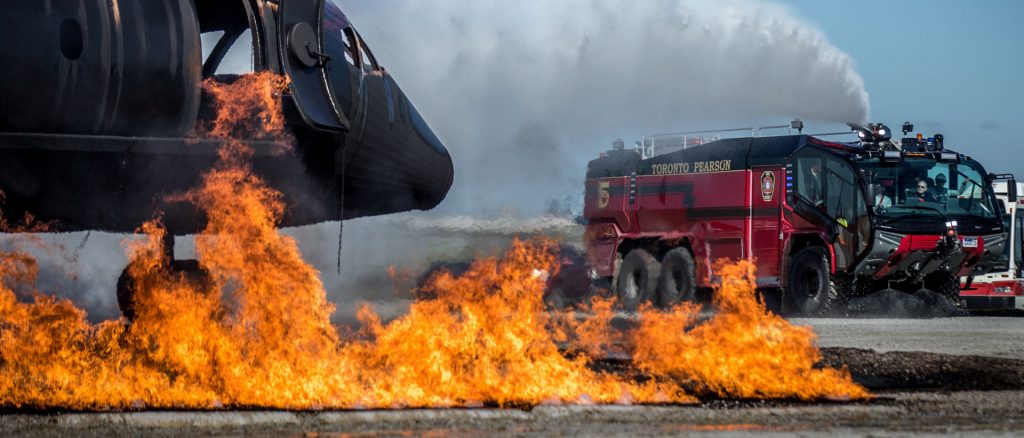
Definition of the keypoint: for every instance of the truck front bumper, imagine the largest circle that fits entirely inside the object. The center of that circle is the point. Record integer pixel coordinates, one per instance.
(994, 303)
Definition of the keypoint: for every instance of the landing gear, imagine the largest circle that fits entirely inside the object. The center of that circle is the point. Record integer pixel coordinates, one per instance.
(811, 286)
(638, 279)
(128, 288)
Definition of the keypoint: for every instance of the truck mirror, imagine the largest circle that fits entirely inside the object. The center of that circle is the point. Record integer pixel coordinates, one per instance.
(871, 195)
(1011, 190)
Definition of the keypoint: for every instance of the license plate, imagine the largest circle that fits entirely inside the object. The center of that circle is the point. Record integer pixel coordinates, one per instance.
(970, 242)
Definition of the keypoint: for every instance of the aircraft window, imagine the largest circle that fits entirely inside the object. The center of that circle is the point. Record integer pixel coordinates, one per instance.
(209, 41)
(337, 44)
(230, 53)
(367, 65)
(348, 43)
(369, 61)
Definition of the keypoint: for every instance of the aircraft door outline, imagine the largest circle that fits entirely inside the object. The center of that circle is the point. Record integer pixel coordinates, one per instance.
(303, 60)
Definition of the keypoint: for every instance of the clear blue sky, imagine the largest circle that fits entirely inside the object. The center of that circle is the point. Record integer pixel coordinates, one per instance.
(955, 67)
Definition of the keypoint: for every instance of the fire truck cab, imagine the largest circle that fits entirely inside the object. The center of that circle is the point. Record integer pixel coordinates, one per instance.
(823, 221)
(1002, 290)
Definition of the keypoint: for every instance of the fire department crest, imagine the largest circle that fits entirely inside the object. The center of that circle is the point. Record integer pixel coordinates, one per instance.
(767, 186)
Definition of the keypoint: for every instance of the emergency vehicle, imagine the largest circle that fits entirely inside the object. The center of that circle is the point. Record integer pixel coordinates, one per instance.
(822, 220)
(1001, 290)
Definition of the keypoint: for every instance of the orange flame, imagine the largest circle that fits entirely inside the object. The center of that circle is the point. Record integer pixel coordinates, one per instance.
(253, 329)
(743, 351)
(248, 108)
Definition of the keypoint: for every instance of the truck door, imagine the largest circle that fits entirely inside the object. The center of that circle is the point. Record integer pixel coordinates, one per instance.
(304, 60)
(765, 215)
(829, 196)
(845, 204)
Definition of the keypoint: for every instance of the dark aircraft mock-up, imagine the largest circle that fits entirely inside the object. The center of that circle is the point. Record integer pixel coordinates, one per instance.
(98, 99)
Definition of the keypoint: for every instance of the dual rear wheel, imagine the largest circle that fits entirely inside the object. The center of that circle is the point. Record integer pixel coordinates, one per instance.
(642, 279)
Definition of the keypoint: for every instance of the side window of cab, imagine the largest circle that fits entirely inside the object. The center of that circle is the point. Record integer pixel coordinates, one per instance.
(809, 180)
(844, 202)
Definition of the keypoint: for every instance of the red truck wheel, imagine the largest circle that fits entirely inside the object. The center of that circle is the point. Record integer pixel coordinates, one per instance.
(678, 278)
(810, 282)
(638, 279)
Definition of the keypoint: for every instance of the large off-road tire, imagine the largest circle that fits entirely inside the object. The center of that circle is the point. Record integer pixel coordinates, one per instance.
(127, 289)
(678, 279)
(811, 286)
(945, 284)
(126, 293)
(637, 280)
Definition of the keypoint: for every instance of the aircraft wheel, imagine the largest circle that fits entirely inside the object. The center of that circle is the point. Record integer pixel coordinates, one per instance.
(811, 286)
(678, 279)
(638, 279)
(128, 290)
(126, 294)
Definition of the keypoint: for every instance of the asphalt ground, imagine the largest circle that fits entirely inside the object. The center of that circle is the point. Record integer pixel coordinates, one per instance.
(970, 335)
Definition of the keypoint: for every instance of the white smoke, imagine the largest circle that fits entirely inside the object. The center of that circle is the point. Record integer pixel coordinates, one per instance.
(524, 93)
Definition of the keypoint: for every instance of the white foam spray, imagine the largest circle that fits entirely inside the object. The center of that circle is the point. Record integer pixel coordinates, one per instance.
(524, 93)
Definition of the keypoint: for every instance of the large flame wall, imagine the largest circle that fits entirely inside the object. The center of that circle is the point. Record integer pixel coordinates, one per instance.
(255, 331)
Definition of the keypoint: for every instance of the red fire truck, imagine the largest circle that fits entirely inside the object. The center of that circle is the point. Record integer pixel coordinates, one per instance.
(822, 220)
(1001, 290)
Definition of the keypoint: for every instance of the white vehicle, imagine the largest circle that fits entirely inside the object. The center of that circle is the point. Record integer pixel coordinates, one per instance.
(1002, 290)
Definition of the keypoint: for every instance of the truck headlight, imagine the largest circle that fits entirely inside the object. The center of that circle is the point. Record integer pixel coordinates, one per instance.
(1003, 290)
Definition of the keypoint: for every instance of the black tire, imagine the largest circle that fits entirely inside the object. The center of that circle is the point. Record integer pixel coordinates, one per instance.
(127, 289)
(945, 284)
(678, 279)
(637, 280)
(126, 292)
(811, 286)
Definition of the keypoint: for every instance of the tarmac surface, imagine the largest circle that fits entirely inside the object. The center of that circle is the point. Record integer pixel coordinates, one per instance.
(971, 335)
(903, 414)
(931, 377)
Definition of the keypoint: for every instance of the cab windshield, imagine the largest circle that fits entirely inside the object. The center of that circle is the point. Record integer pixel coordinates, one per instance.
(926, 187)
